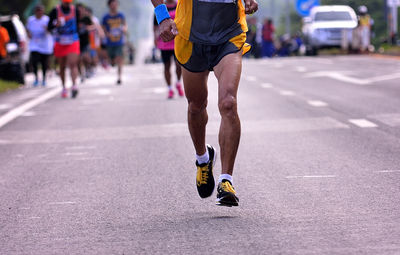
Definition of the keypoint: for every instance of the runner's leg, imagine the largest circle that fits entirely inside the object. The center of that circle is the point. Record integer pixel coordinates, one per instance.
(167, 73)
(196, 92)
(119, 62)
(72, 62)
(35, 61)
(178, 70)
(45, 66)
(62, 61)
(228, 73)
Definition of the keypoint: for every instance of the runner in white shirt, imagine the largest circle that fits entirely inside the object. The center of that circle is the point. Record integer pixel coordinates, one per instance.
(41, 43)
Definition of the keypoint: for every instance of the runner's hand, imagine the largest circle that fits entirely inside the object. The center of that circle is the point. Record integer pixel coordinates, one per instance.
(251, 6)
(168, 30)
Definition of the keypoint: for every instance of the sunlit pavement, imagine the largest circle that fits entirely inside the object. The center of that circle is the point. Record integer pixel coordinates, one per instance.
(112, 172)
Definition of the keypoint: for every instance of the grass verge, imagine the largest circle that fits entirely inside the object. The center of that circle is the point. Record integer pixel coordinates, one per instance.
(389, 50)
(7, 85)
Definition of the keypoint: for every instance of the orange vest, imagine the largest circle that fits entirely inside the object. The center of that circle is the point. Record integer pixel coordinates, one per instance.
(4, 39)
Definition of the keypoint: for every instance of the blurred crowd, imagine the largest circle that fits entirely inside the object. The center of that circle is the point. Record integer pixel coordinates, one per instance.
(267, 44)
(42, 42)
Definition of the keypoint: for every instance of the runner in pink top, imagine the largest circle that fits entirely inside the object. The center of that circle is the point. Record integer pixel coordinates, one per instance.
(167, 53)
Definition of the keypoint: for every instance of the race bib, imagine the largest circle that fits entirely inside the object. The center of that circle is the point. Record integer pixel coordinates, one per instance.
(219, 1)
(116, 32)
(66, 39)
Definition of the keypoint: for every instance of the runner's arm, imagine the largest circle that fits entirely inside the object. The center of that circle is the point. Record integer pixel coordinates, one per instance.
(168, 29)
(251, 6)
(100, 30)
(52, 20)
(124, 26)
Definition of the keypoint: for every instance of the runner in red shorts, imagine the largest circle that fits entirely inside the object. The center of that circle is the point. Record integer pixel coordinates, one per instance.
(64, 22)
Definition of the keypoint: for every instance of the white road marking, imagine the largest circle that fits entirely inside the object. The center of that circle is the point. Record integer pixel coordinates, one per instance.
(266, 85)
(73, 148)
(384, 77)
(16, 112)
(158, 90)
(363, 123)
(34, 218)
(337, 76)
(5, 106)
(309, 176)
(63, 203)
(358, 81)
(251, 78)
(286, 93)
(388, 171)
(390, 119)
(28, 114)
(301, 69)
(102, 92)
(87, 159)
(317, 103)
(75, 154)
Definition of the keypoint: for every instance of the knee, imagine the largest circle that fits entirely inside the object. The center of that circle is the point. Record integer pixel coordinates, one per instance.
(196, 107)
(228, 106)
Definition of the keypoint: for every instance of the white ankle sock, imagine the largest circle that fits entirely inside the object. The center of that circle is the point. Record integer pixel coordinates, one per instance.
(226, 177)
(203, 158)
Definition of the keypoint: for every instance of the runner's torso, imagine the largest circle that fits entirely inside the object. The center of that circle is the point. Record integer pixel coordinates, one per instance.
(67, 33)
(114, 26)
(210, 22)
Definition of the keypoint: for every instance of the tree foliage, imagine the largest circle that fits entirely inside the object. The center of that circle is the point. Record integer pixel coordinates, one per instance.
(19, 7)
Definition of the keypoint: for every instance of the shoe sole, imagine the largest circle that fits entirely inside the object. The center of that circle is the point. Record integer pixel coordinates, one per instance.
(228, 201)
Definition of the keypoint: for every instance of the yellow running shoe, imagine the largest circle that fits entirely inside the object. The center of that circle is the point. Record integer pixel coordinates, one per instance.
(205, 179)
(226, 195)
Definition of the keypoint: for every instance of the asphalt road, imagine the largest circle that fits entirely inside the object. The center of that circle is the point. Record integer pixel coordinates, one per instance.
(113, 172)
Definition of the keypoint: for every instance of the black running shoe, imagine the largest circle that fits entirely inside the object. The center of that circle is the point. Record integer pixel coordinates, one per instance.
(205, 179)
(119, 82)
(226, 195)
(74, 92)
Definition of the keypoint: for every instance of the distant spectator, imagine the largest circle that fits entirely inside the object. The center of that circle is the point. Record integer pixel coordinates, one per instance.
(366, 23)
(285, 46)
(4, 39)
(268, 48)
(296, 44)
(41, 42)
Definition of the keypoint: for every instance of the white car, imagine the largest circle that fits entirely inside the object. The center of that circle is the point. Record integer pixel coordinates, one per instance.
(328, 26)
(17, 49)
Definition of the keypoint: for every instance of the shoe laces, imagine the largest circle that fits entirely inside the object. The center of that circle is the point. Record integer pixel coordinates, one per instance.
(202, 175)
(227, 187)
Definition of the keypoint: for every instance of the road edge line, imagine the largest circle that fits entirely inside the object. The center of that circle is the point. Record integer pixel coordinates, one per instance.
(19, 110)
